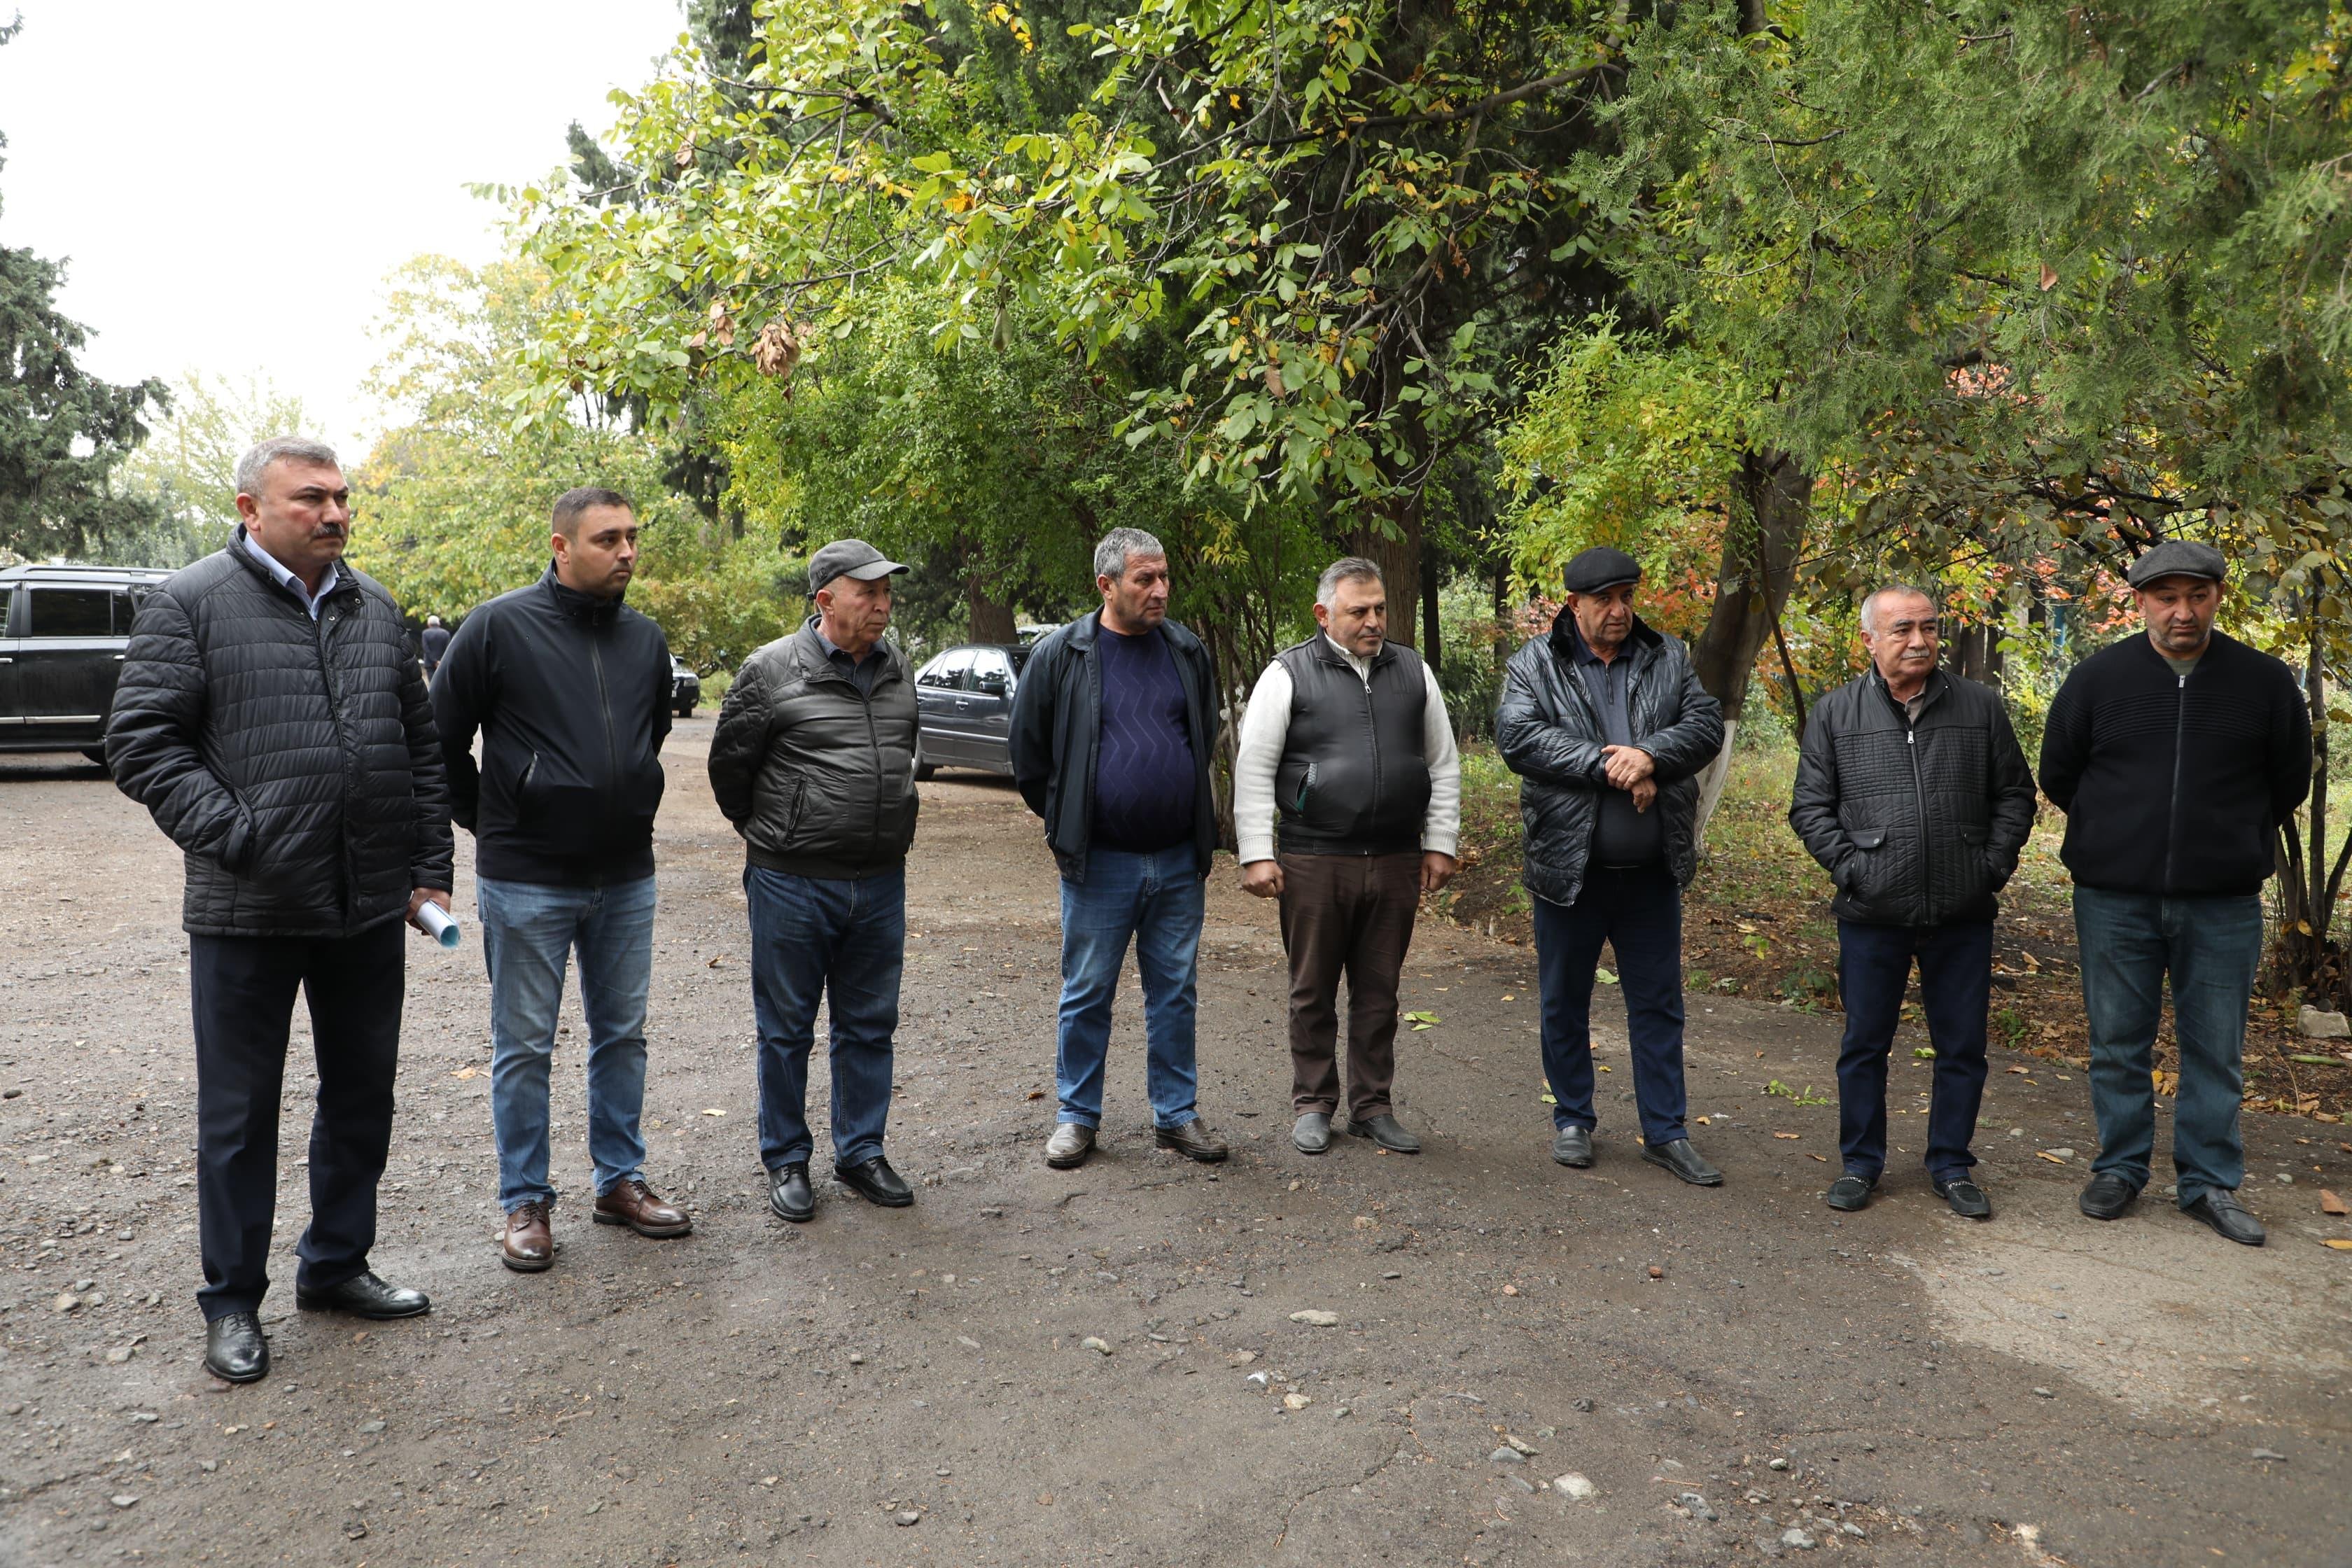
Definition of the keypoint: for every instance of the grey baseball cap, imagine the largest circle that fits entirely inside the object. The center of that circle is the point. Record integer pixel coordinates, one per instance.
(849, 558)
(2178, 558)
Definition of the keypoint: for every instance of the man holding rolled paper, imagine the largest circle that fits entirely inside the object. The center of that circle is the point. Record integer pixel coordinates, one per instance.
(272, 719)
(570, 689)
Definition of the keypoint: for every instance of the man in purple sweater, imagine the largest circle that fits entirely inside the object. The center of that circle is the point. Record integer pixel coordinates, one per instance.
(1112, 730)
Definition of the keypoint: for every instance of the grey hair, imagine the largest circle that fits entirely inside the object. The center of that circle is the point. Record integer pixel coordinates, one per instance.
(1120, 543)
(280, 449)
(1347, 569)
(1890, 590)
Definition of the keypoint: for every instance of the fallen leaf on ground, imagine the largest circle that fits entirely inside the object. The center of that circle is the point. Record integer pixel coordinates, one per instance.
(713, 1111)
(2046, 1154)
(2330, 1204)
(1036, 1094)
(1604, 976)
(1788, 1135)
(1824, 1159)
(715, 961)
(2339, 1243)
(466, 1072)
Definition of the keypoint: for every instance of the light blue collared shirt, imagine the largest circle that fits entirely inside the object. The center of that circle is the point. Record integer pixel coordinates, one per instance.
(327, 585)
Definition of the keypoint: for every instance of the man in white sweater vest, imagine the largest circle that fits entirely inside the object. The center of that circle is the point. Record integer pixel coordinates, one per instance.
(1347, 749)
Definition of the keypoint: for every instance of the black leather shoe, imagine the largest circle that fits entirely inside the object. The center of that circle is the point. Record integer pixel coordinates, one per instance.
(789, 1194)
(235, 1350)
(2106, 1196)
(1573, 1146)
(1388, 1132)
(1684, 1161)
(1967, 1198)
(365, 1295)
(877, 1183)
(1850, 1192)
(2220, 1208)
(1312, 1135)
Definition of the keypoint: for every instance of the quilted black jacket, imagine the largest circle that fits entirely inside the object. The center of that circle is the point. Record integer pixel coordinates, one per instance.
(1918, 824)
(295, 762)
(1549, 734)
(817, 776)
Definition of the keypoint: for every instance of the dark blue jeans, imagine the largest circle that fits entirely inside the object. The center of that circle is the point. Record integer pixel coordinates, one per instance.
(1955, 990)
(1639, 914)
(2209, 947)
(845, 941)
(1156, 902)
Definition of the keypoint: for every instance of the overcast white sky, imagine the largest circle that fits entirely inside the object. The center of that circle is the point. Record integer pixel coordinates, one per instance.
(231, 181)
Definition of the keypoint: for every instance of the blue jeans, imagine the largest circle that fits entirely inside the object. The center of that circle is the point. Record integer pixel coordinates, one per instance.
(2130, 943)
(1955, 990)
(1155, 901)
(1639, 914)
(845, 940)
(528, 931)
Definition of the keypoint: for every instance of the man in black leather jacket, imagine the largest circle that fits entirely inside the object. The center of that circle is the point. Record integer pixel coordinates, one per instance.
(1914, 796)
(271, 718)
(1606, 722)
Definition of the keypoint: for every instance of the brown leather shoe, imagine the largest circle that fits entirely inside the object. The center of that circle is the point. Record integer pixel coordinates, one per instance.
(527, 1247)
(1194, 1141)
(637, 1206)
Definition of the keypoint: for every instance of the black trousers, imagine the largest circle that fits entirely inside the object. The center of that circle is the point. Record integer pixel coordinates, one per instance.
(243, 988)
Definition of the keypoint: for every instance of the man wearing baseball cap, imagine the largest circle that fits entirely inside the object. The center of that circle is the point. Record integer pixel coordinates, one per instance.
(1607, 724)
(2174, 756)
(813, 762)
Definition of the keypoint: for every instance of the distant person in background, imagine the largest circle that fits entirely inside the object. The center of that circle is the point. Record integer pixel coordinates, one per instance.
(1346, 747)
(434, 642)
(271, 718)
(813, 762)
(2174, 756)
(569, 689)
(1112, 732)
(1914, 796)
(1608, 728)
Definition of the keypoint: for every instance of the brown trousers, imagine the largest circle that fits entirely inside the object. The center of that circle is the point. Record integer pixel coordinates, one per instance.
(1346, 915)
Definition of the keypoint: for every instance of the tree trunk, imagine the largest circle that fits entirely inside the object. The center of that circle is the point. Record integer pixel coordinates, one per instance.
(1399, 559)
(1432, 644)
(992, 618)
(1759, 566)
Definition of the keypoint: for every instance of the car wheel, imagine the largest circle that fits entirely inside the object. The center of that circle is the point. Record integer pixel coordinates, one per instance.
(686, 711)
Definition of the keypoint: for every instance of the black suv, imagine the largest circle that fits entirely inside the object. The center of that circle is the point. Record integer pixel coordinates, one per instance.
(63, 630)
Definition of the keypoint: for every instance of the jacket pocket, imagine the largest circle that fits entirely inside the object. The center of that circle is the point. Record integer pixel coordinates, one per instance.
(1990, 878)
(1864, 872)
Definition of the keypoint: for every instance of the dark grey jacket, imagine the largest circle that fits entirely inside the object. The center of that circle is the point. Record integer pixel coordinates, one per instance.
(1057, 731)
(1918, 823)
(817, 776)
(1352, 779)
(1550, 735)
(295, 762)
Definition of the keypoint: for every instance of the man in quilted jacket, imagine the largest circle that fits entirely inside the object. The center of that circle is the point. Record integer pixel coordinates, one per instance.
(1914, 796)
(1608, 728)
(272, 719)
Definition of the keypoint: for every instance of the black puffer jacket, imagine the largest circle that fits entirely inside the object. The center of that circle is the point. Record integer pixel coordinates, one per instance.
(817, 776)
(1917, 823)
(1550, 735)
(296, 762)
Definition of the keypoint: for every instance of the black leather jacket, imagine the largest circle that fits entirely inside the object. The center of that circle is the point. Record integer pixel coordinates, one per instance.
(1918, 824)
(1550, 735)
(817, 776)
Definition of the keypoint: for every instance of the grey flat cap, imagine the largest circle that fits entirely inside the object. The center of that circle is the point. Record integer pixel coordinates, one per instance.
(1601, 567)
(2178, 558)
(849, 558)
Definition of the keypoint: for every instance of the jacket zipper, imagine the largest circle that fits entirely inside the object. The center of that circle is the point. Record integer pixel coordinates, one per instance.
(605, 705)
(2172, 808)
(1372, 727)
(319, 626)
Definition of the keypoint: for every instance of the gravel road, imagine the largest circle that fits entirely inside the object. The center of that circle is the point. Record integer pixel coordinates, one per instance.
(1474, 1356)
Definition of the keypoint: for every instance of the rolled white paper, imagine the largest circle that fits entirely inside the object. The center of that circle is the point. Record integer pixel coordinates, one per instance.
(439, 924)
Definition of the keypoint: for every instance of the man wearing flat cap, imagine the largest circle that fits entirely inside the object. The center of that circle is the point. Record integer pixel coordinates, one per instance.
(813, 762)
(1606, 723)
(2174, 756)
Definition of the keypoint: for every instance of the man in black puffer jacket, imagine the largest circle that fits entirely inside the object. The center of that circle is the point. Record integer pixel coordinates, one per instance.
(1607, 725)
(1914, 796)
(271, 717)
(813, 762)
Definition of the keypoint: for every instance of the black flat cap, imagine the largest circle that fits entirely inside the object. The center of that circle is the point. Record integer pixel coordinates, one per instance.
(2178, 558)
(1602, 567)
(848, 558)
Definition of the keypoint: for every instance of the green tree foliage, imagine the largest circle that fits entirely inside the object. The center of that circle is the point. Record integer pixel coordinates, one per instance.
(455, 501)
(63, 432)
